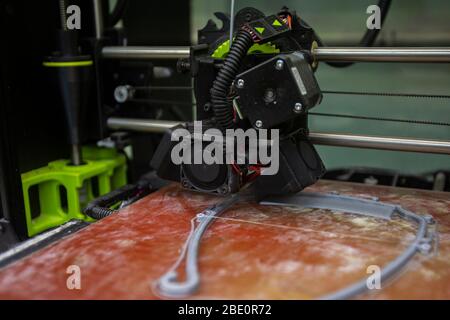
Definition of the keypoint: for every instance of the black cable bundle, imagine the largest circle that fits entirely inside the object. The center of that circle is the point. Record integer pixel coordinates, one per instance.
(219, 92)
(99, 208)
(98, 213)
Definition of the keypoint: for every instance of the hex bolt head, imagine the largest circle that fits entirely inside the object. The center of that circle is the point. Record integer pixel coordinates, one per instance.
(298, 108)
(279, 65)
(258, 123)
(240, 84)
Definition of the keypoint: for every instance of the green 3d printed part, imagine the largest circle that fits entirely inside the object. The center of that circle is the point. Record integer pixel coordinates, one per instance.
(58, 192)
(222, 50)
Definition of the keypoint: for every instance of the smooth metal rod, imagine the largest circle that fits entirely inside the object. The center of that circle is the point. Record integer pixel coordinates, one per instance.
(75, 155)
(98, 17)
(322, 54)
(381, 143)
(385, 54)
(141, 125)
(329, 139)
(140, 53)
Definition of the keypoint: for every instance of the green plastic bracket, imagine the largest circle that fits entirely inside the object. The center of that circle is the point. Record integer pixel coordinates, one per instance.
(58, 192)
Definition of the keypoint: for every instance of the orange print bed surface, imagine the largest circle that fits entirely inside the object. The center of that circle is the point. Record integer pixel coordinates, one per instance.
(262, 252)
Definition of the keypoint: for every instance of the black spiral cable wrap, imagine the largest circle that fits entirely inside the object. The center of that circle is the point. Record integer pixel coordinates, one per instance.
(99, 208)
(99, 213)
(221, 86)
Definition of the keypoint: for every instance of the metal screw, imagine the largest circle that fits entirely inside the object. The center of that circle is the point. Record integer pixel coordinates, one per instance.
(240, 83)
(279, 65)
(123, 93)
(259, 123)
(298, 107)
(183, 65)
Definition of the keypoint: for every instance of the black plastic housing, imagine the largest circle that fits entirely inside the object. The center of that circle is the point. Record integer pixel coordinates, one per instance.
(292, 81)
(218, 179)
(268, 28)
(161, 160)
(300, 167)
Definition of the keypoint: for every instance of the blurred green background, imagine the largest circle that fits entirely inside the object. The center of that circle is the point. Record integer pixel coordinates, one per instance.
(409, 23)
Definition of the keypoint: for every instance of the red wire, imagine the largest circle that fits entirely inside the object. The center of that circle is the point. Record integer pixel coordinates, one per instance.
(236, 168)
